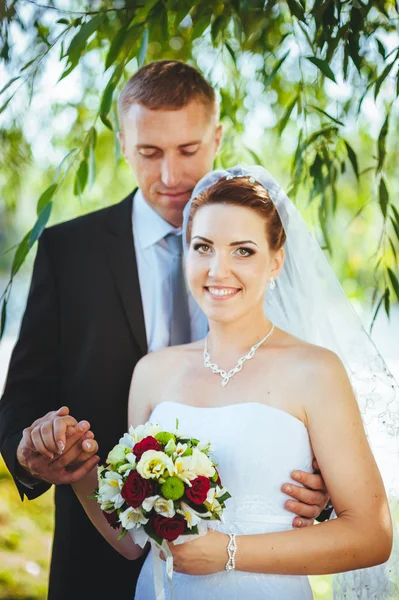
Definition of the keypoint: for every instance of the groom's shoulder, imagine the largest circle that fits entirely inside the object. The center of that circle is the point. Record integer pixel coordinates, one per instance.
(91, 222)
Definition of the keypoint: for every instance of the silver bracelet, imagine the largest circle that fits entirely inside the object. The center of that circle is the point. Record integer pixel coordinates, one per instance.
(231, 551)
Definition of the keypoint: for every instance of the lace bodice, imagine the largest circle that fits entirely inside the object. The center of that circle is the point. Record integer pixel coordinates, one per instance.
(256, 448)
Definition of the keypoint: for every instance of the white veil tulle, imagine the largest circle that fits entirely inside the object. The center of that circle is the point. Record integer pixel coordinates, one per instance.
(309, 302)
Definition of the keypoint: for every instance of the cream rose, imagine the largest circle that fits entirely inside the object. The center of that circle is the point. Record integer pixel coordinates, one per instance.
(153, 464)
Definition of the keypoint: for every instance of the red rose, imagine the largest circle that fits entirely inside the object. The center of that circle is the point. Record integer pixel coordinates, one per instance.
(148, 443)
(168, 529)
(112, 519)
(199, 489)
(136, 489)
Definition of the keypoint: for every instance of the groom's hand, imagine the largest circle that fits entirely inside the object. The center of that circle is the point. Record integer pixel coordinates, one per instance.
(43, 460)
(309, 499)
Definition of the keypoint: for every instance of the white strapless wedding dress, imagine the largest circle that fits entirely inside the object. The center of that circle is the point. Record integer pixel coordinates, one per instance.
(256, 448)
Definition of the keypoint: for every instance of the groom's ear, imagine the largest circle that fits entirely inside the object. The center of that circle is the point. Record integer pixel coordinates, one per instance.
(218, 136)
(121, 141)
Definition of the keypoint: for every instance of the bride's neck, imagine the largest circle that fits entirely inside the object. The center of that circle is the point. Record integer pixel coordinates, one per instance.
(236, 338)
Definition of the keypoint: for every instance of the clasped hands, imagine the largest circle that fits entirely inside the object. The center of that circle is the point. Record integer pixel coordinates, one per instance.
(57, 449)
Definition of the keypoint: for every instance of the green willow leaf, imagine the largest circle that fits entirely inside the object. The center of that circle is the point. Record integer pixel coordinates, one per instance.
(116, 46)
(62, 163)
(20, 255)
(78, 43)
(381, 143)
(45, 198)
(10, 82)
(143, 47)
(106, 100)
(296, 10)
(352, 158)
(326, 114)
(284, 120)
(40, 224)
(231, 52)
(270, 78)
(395, 226)
(323, 66)
(382, 78)
(383, 197)
(380, 301)
(387, 302)
(3, 317)
(81, 178)
(394, 281)
(2, 109)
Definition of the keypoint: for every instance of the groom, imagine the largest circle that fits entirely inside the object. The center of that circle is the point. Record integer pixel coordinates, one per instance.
(103, 294)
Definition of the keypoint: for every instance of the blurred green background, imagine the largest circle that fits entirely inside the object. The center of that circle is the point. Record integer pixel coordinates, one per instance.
(326, 128)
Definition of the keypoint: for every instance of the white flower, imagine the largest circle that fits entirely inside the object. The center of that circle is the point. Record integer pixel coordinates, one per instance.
(132, 518)
(170, 447)
(180, 449)
(202, 464)
(184, 469)
(148, 503)
(117, 455)
(153, 464)
(191, 516)
(142, 431)
(204, 447)
(109, 489)
(212, 503)
(127, 440)
(164, 507)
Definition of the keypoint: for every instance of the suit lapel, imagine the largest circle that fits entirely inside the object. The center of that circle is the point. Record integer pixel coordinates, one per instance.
(119, 246)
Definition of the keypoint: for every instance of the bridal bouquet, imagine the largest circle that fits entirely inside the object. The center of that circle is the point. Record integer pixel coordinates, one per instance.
(160, 485)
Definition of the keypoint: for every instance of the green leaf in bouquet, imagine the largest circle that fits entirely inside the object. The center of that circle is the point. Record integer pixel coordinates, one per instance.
(163, 437)
(188, 451)
(192, 531)
(222, 499)
(122, 535)
(151, 533)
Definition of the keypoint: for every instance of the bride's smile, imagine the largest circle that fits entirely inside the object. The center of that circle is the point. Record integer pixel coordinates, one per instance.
(230, 262)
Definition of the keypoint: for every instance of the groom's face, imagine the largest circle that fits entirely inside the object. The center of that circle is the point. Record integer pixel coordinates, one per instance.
(169, 151)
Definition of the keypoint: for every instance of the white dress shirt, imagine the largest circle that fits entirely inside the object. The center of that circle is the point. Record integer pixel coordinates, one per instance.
(154, 262)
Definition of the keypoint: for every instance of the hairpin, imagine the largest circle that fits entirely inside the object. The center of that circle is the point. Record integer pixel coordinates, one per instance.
(251, 179)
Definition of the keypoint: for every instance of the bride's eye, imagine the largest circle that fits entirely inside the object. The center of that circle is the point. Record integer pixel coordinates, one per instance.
(202, 248)
(244, 252)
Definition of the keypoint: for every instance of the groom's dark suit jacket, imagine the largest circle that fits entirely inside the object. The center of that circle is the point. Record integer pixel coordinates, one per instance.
(82, 334)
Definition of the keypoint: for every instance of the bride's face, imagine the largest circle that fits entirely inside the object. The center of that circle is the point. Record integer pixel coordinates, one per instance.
(229, 262)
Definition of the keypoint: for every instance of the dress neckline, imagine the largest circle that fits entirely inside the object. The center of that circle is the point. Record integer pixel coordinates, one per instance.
(229, 406)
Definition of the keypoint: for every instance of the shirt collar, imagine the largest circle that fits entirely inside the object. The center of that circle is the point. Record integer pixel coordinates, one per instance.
(149, 226)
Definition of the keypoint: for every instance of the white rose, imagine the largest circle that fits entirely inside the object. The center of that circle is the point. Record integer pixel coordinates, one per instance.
(117, 455)
(153, 464)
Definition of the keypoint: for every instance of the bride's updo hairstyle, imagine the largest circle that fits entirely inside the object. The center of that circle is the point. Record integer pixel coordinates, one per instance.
(241, 191)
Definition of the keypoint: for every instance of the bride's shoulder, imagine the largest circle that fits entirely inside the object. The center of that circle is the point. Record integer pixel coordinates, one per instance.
(310, 358)
(162, 360)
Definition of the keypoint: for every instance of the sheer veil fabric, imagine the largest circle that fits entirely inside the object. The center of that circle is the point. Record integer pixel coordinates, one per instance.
(309, 302)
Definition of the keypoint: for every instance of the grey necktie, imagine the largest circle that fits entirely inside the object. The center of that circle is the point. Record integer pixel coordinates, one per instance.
(180, 327)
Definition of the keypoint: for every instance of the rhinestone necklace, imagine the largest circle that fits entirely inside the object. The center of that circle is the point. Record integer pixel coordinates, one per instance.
(227, 375)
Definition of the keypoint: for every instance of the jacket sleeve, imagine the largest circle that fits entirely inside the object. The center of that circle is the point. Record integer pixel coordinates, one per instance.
(32, 384)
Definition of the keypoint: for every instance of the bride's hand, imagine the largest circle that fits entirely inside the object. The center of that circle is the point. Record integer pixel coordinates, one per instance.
(202, 556)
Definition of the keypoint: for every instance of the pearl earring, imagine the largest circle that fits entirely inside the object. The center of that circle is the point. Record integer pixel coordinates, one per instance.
(272, 283)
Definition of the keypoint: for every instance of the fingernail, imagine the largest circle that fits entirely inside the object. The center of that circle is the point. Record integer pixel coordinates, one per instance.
(288, 488)
(299, 523)
(50, 455)
(87, 445)
(61, 446)
(83, 425)
(296, 475)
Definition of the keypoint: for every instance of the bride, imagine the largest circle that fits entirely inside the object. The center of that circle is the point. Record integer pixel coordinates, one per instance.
(267, 398)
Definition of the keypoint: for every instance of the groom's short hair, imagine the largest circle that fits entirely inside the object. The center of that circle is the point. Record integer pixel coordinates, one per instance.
(167, 85)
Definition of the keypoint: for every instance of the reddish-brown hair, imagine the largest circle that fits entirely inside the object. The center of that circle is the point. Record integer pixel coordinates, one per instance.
(239, 191)
(167, 85)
